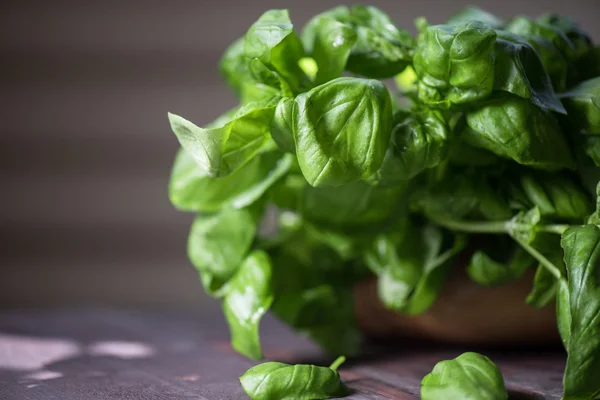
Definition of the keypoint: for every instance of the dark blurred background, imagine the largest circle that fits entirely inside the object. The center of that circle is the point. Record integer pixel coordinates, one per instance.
(85, 146)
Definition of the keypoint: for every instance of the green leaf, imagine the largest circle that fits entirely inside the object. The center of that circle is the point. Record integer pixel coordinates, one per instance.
(545, 286)
(523, 226)
(221, 150)
(233, 66)
(263, 86)
(273, 41)
(520, 71)
(583, 105)
(342, 130)
(514, 128)
(563, 312)
(582, 257)
(487, 271)
(282, 127)
(380, 49)
(411, 268)
(275, 380)
(556, 195)
(476, 14)
(190, 189)
(469, 376)
(455, 63)
(218, 244)
(248, 296)
(419, 141)
(333, 42)
(355, 204)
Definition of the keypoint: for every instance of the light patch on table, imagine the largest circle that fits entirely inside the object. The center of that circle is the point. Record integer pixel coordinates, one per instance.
(44, 375)
(121, 349)
(25, 353)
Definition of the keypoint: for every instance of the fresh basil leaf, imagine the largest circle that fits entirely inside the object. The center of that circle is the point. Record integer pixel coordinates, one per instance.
(512, 127)
(462, 154)
(275, 380)
(333, 42)
(476, 14)
(354, 204)
(190, 189)
(342, 130)
(218, 244)
(545, 286)
(582, 258)
(556, 195)
(419, 141)
(221, 150)
(264, 86)
(412, 269)
(591, 146)
(248, 296)
(469, 376)
(563, 312)
(523, 225)
(455, 63)
(282, 127)
(273, 41)
(519, 70)
(487, 271)
(583, 105)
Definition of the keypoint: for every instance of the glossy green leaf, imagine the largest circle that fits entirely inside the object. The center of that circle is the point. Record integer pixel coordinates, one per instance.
(279, 381)
(487, 271)
(455, 63)
(233, 66)
(419, 141)
(282, 127)
(218, 244)
(469, 376)
(512, 127)
(582, 257)
(583, 105)
(333, 42)
(342, 130)
(556, 195)
(248, 296)
(476, 14)
(221, 150)
(519, 70)
(273, 41)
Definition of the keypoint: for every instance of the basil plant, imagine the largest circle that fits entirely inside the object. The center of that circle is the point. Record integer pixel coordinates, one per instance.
(326, 174)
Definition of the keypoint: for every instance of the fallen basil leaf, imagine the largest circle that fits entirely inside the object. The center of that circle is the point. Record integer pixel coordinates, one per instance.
(279, 381)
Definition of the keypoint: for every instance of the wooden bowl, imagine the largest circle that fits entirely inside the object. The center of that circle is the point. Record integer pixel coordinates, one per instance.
(465, 313)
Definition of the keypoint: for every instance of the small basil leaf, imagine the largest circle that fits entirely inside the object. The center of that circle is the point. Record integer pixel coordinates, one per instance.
(476, 14)
(248, 296)
(273, 41)
(275, 380)
(583, 105)
(218, 244)
(563, 312)
(520, 71)
(556, 195)
(582, 258)
(512, 127)
(455, 63)
(282, 127)
(333, 42)
(487, 271)
(523, 225)
(355, 204)
(221, 150)
(544, 290)
(264, 86)
(342, 130)
(419, 141)
(469, 376)
(591, 146)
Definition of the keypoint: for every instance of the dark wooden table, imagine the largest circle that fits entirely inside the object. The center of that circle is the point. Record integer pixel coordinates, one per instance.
(88, 355)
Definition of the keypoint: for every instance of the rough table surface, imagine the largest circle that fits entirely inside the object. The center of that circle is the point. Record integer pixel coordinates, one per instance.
(100, 354)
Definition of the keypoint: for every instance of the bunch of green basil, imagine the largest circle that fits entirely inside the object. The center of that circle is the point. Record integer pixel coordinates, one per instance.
(325, 174)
